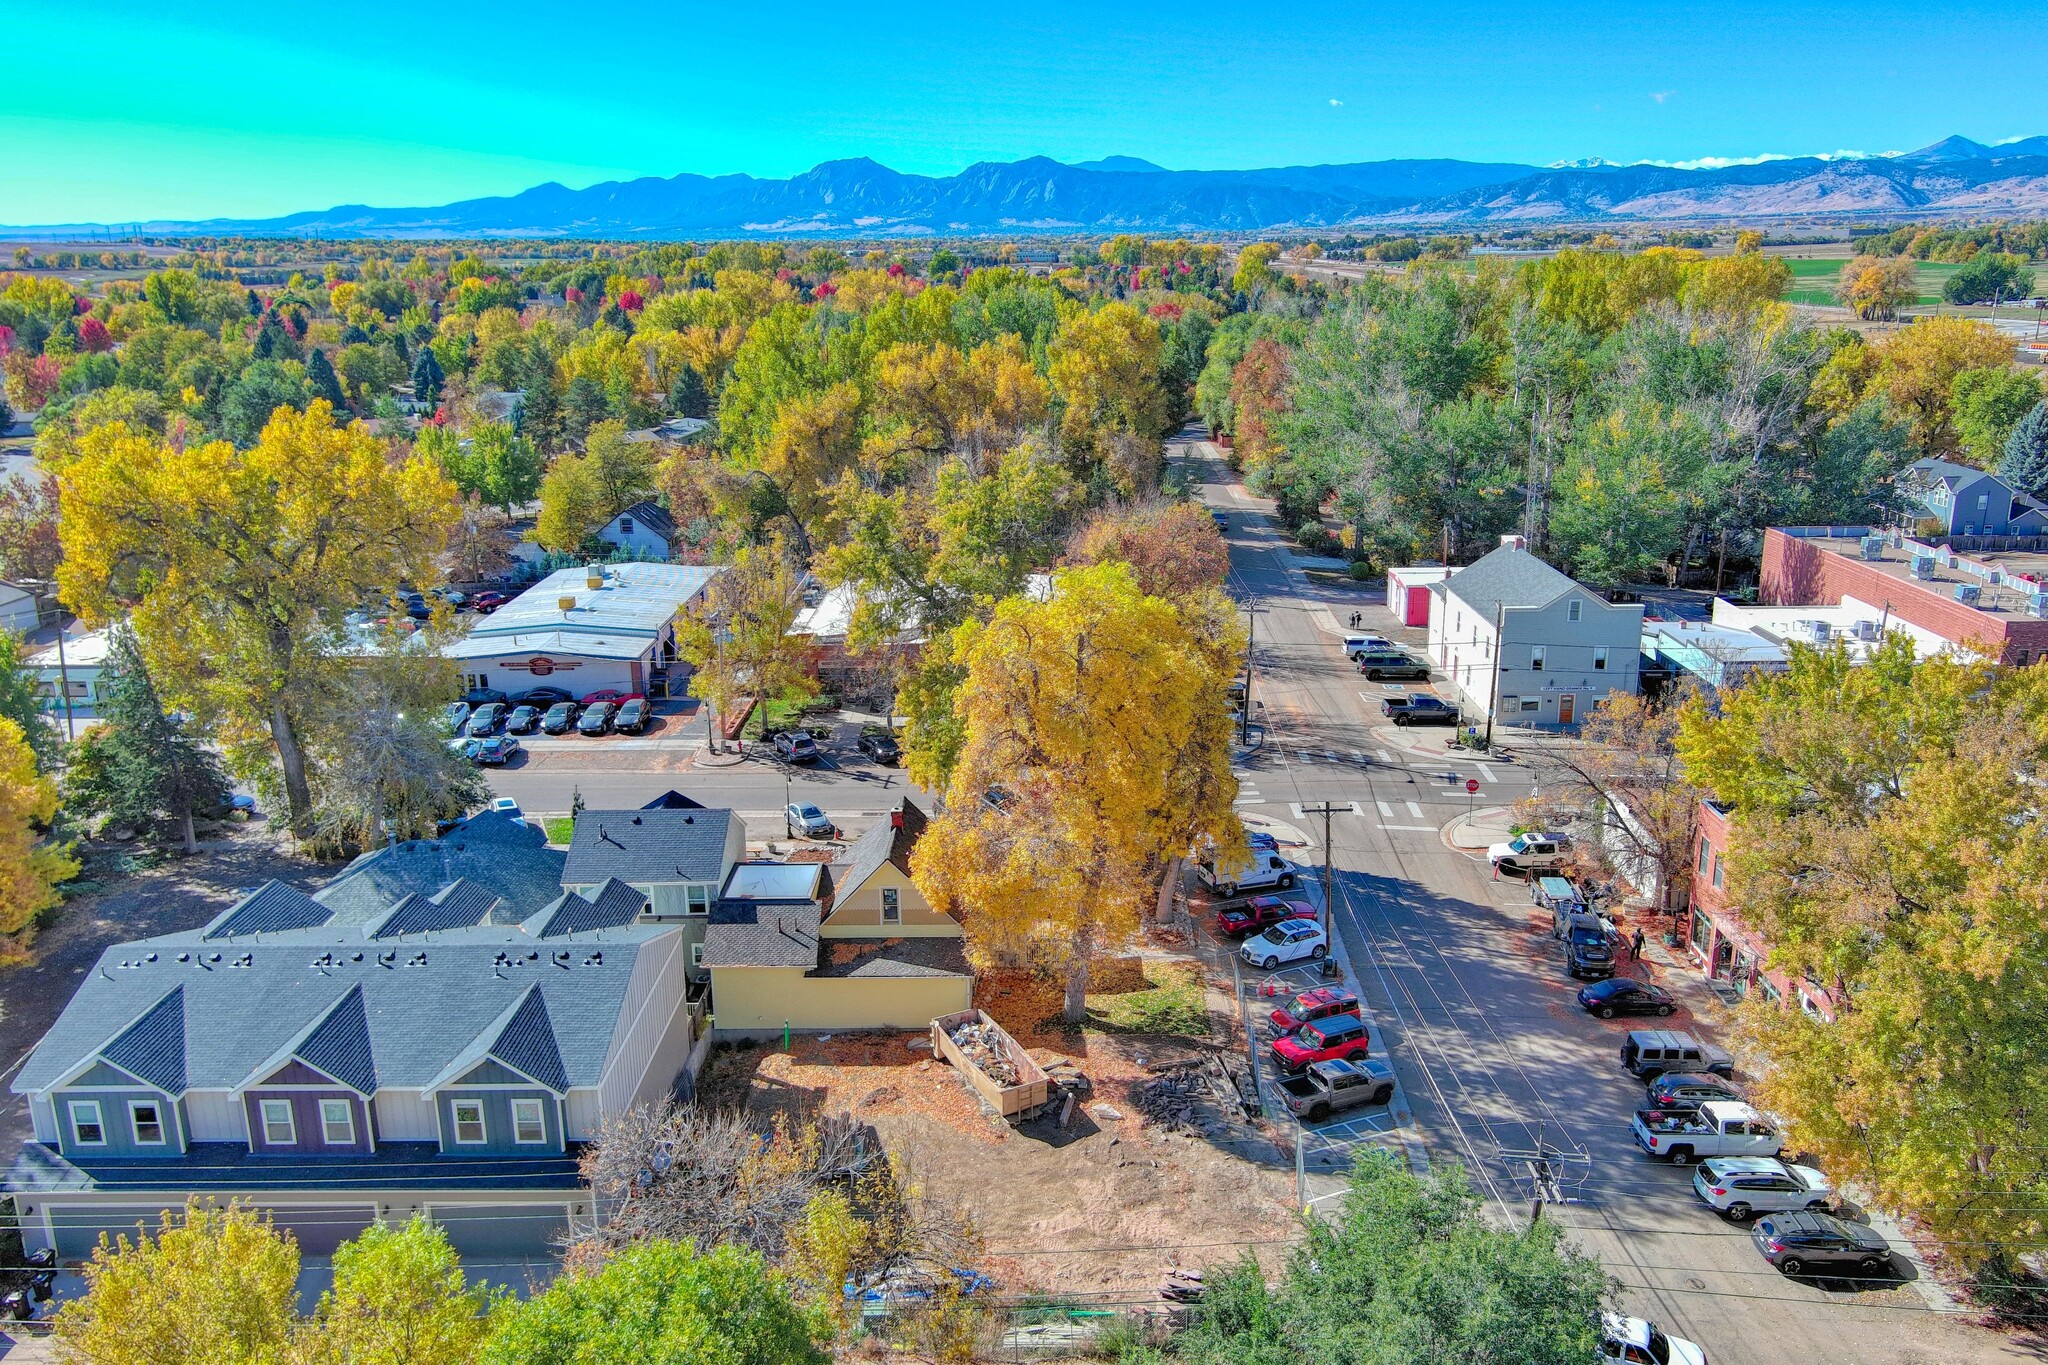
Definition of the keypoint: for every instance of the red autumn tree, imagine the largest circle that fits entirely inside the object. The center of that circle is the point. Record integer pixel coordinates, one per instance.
(1258, 391)
(94, 336)
(1173, 548)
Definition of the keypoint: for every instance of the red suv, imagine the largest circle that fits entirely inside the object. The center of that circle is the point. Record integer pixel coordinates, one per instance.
(484, 603)
(1258, 913)
(1339, 1037)
(1310, 1006)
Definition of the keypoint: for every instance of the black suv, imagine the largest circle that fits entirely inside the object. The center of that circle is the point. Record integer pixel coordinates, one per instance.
(1419, 709)
(1588, 952)
(1682, 1091)
(878, 744)
(1798, 1242)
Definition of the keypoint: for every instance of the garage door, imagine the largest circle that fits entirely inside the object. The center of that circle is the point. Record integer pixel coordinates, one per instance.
(320, 1229)
(78, 1226)
(503, 1232)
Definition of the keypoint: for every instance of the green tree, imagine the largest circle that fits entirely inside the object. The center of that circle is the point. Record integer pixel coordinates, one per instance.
(661, 1302)
(584, 405)
(427, 376)
(1620, 514)
(2024, 464)
(399, 1297)
(212, 1287)
(147, 767)
(737, 636)
(623, 469)
(252, 400)
(1989, 404)
(20, 704)
(1989, 276)
(320, 374)
(505, 468)
(690, 397)
(572, 505)
(1409, 1270)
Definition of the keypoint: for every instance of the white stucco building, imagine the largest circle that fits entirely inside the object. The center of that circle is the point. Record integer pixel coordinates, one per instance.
(1513, 627)
(608, 626)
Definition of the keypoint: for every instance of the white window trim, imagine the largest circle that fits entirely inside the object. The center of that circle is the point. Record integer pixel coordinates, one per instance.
(163, 1137)
(1600, 658)
(697, 954)
(98, 1120)
(892, 905)
(291, 1123)
(540, 1117)
(1538, 656)
(348, 1119)
(455, 1108)
(691, 903)
(1573, 609)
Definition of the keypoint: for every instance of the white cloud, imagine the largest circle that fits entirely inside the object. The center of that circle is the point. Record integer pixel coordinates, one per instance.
(1336, 104)
(1716, 163)
(1661, 95)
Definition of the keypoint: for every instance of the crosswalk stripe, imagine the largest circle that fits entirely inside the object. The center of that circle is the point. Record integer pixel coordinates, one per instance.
(1487, 773)
(1426, 829)
(1386, 811)
(1415, 810)
(1384, 756)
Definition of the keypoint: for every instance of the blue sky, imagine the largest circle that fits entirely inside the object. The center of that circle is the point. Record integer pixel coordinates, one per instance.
(233, 108)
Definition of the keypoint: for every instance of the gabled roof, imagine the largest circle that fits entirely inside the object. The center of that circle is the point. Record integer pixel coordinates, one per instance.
(673, 800)
(888, 842)
(614, 905)
(761, 934)
(456, 906)
(527, 1043)
(153, 1047)
(647, 847)
(268, 909)
(491, 851)
(339, 1045)
(1508, 577)
(653, 516)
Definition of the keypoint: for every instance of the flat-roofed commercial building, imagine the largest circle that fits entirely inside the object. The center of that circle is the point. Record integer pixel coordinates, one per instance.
(608, 626)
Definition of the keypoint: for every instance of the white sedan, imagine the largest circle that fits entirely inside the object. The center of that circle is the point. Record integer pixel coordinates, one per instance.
(1290, 940)
(1632, 1341)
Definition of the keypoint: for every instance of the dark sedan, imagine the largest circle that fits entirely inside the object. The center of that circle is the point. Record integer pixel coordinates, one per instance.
(1682, 1090)
(524, 720)
(878, 744)
(633, 716)
(1800, 1242)
(560, 719)
(1626, 995)
(597, 718)
(545, 697)
(486, 719)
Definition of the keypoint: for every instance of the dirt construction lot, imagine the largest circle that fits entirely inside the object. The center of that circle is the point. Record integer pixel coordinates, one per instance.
(1103, 1208)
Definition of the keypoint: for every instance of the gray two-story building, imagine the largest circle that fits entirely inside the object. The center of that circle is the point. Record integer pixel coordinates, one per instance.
(1527, 645)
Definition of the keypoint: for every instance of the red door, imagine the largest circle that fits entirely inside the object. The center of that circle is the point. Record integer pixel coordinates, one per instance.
(1564, 708)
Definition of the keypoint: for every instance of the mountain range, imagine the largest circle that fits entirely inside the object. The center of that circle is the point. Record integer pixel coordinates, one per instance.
(863, 198)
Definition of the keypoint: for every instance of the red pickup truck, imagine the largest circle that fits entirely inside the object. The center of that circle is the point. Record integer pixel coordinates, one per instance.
(1340, 1037)
(1312, 1005)
(1258, 914)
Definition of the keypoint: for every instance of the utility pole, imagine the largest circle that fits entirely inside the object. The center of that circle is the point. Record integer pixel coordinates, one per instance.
(1244, 711)
(1326, 810)
(1493, 691)
(63, 669)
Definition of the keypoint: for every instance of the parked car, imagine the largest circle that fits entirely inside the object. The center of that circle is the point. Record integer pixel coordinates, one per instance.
(611, 694)
(1679, 1090)
(484, 603)
(465, 746)
(1340, 1037)
(1588, 949)
(496, 751)
(481, 696)
(1528, 851)
(524, 720)
(454, 597)
(1561, 898)
(1718, 1128)
(1378, 664)
(596, 719)
(414, 606)
(806, 821)
(1222, 522)
(559, 718)
(1633, 1341)
(1328, 1088)
(486, 719)
(1740, 1186)
(1357, 646)
(1626, 995)
(634, 713)
(545, 697)
(879, 744)
(1419, 709)
(1649, 1053)
(794, 746)
(1288, 941)
(458, 715)
(1255, 914)
(1310, 1006)
(1266, 868)
(1801, 1241)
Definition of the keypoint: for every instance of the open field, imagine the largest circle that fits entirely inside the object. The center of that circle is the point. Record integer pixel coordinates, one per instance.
(1814, 276)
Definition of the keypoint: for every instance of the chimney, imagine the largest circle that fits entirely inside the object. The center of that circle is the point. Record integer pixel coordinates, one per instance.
(1513, 542)
(896, 818)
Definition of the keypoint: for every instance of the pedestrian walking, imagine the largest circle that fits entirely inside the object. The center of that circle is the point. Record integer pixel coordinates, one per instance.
(1635, 945)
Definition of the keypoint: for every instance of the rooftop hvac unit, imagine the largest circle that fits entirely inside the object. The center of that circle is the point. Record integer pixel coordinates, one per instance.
(1818, 631)
(566, 602)
(1969, 594)
(1866, 630)
(593, 577)
(1873, 547)
(2038, 604)
(1923, 566)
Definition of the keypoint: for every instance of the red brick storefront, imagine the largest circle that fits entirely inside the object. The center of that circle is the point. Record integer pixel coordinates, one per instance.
(1724, 946)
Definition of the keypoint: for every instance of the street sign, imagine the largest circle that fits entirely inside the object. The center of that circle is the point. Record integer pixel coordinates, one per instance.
(1472, 785)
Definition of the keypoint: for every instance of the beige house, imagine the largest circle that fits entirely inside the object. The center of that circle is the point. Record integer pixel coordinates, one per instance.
(790, 946)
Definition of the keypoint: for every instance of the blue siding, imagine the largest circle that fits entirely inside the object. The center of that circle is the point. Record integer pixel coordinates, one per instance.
(307, 1133)
(117, 1124)
(498, 1122)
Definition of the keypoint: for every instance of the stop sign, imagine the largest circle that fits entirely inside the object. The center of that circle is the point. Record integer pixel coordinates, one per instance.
(1472, 784)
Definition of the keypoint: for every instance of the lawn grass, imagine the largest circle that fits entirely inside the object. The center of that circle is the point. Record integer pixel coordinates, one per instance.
(559, 828)
(1171, 1004)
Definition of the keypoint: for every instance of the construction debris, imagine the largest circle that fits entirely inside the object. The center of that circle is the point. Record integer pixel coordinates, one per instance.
(1170, 1099)
(982, 1044)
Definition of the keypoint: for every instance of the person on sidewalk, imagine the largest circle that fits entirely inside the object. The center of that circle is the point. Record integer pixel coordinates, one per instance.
(1635, 945)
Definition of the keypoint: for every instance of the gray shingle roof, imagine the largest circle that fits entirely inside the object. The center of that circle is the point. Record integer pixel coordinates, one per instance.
(512, 861)
(888, 842)
(615, 904)
(647, 847)
(456, 906)
(761, 934)
(653, 516)
(340, 1045)
(1508, 577)
(527, 1043)
(272, 907)
(153, 1047)
(869, 958)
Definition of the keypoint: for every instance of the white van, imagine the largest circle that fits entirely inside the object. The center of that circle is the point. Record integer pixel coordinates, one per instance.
(1264, 870)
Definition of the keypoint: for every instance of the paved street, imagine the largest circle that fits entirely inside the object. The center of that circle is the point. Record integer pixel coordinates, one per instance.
(1494, 1055)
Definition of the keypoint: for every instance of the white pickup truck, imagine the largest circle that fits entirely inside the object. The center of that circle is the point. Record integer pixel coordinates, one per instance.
(1719, 1128)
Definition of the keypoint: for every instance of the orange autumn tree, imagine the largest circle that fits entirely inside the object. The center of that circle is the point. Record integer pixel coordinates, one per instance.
(1096, 750)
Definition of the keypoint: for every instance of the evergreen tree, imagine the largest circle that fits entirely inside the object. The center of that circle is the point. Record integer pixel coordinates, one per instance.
(325, 383)
(690, 397)
(353, 335)
(540, 414)
(145, 766)
(427, 376)
(583, 407)
(19, 703)
(399, 348)
(266, 341)
(255, 305)
(2025, 463)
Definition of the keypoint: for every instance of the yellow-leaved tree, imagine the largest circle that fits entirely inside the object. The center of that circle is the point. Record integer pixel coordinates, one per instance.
(1095, 751)
(240, 565)
(30, 865)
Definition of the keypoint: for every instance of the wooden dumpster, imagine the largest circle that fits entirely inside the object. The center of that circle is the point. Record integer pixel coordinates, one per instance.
(1009, 1100)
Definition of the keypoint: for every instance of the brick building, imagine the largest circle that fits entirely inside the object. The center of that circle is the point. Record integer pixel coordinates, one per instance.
(1724, 945)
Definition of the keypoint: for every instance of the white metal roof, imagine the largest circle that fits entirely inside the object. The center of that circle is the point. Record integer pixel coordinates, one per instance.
(619, 620)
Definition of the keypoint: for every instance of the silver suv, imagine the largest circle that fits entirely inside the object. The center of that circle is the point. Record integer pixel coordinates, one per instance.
(1740, 1186)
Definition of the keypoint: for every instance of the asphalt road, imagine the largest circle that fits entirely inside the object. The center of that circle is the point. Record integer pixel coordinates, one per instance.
(1495, 1057)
